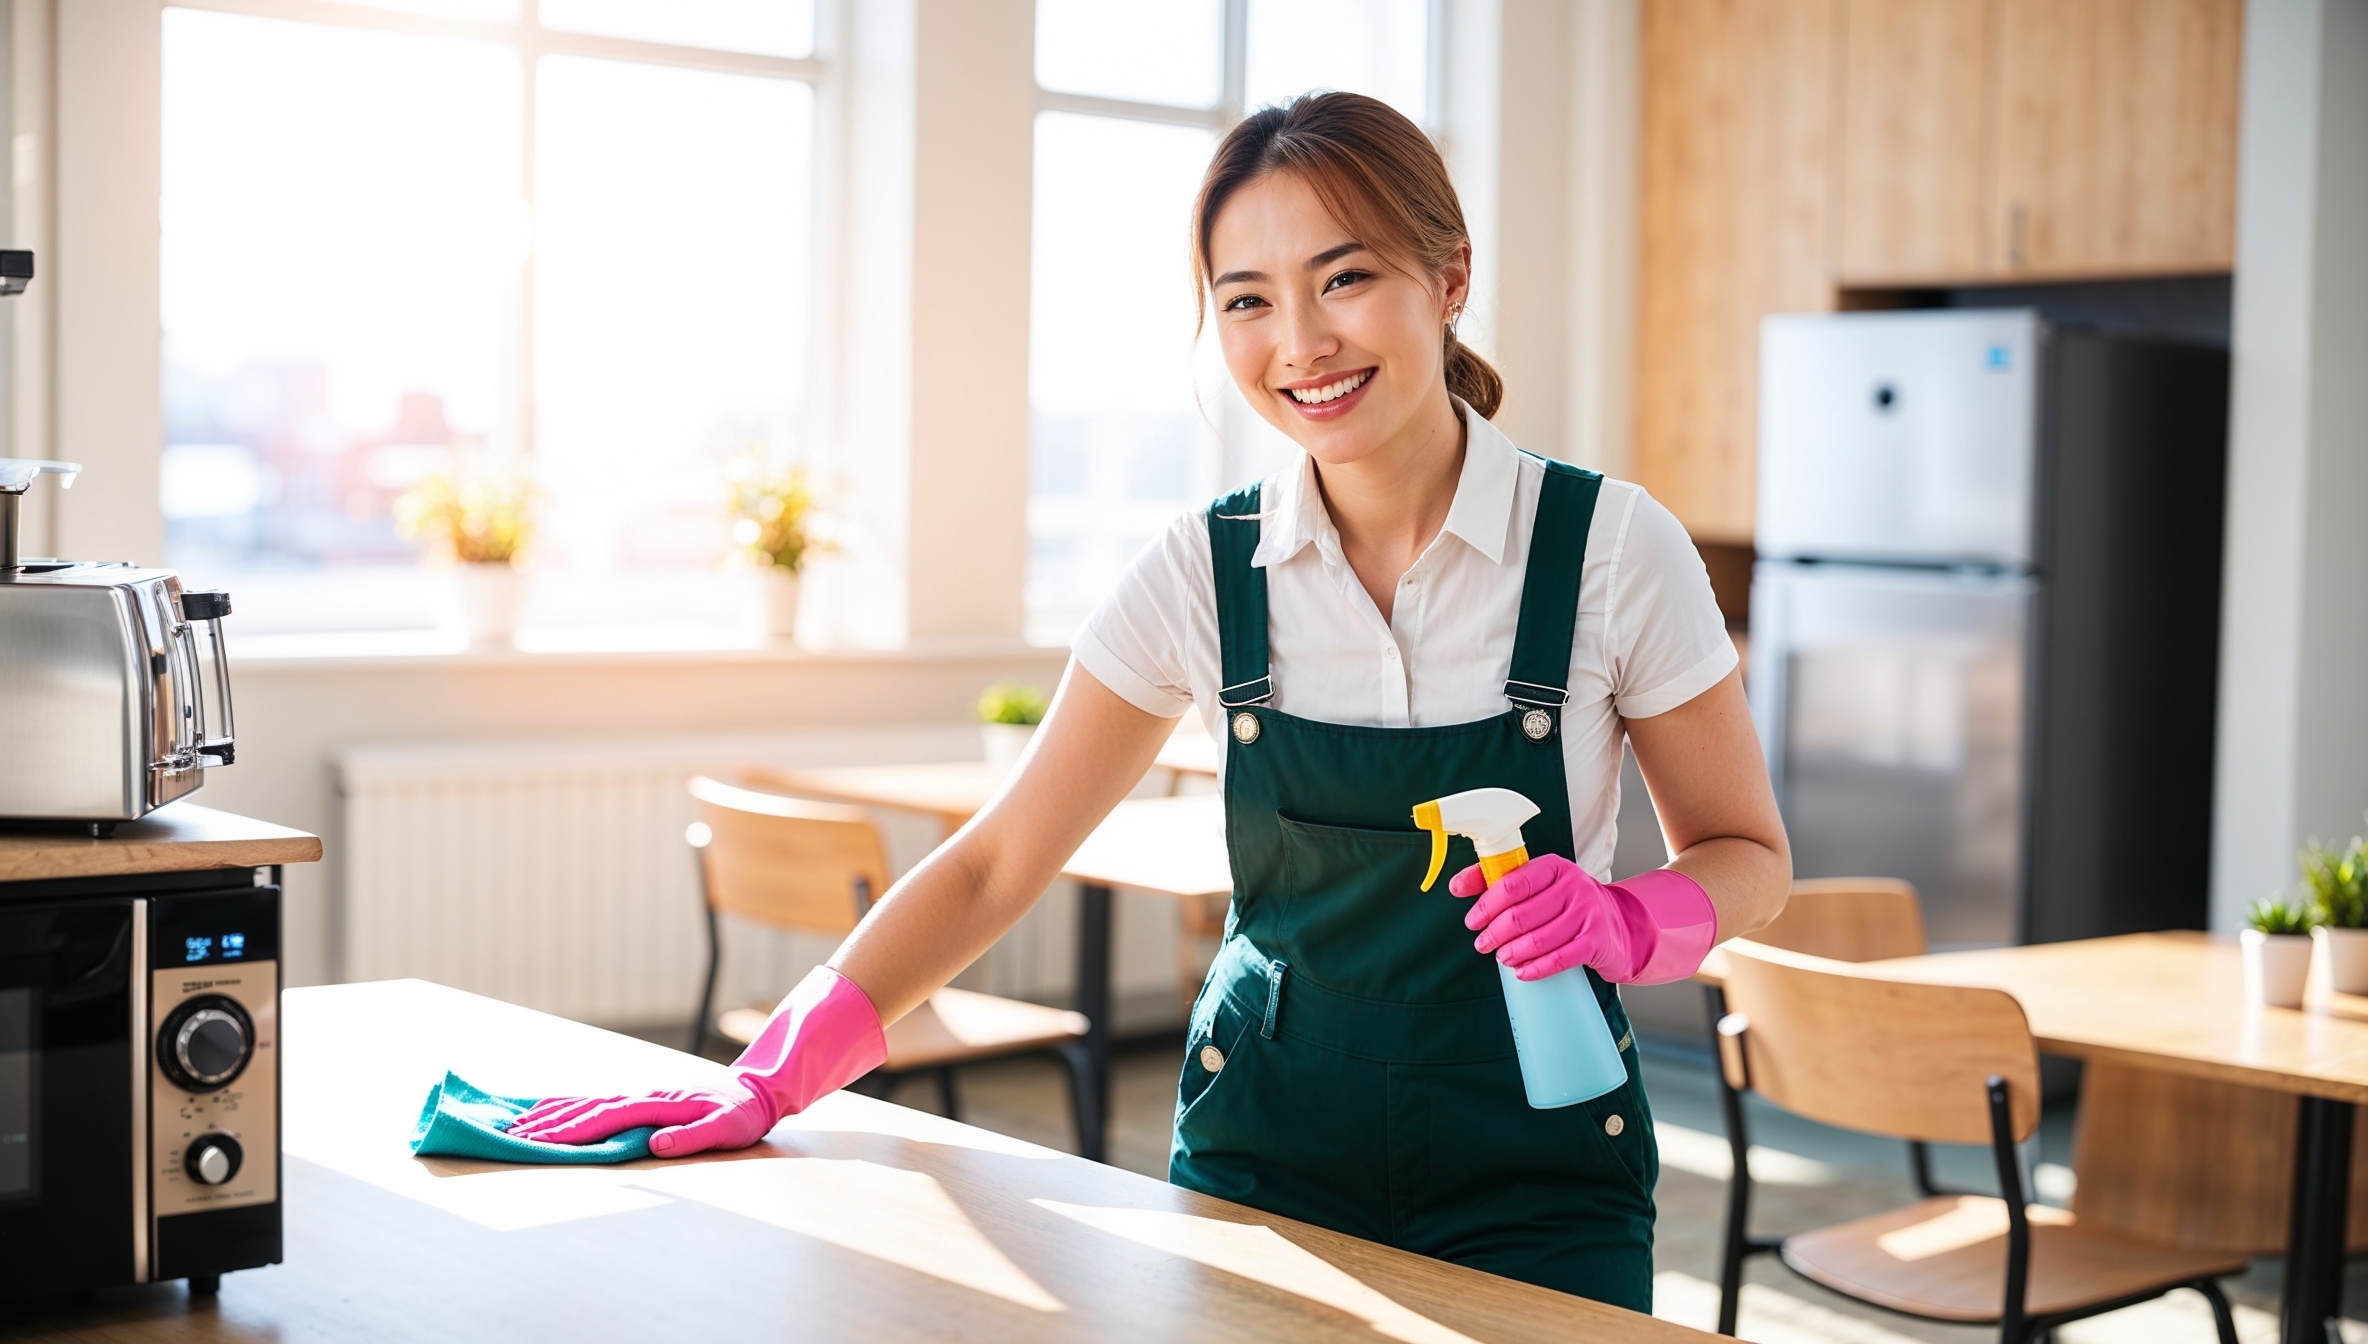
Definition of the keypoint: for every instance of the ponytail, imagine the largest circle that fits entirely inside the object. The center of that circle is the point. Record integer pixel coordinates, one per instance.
(1471, 378)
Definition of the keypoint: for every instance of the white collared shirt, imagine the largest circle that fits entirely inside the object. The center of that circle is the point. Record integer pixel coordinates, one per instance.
(1649, 635)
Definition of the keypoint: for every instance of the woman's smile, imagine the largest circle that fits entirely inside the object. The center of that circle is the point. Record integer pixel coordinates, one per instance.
(1329, 396)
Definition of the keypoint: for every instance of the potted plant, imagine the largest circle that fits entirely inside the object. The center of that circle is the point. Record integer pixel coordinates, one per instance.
(773, 520)
(2336, 886)
(2277, 951)
(482, 523)
(1008, 713)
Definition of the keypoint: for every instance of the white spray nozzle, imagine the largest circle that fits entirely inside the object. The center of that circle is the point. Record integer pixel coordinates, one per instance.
(1490, 818)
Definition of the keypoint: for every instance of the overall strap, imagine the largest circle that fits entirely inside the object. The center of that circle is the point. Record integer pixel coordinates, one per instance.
(1241, 600)
(1540, 677)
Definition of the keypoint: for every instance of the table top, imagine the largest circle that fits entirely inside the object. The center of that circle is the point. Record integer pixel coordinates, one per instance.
(177, 837)
(858, 1219)
(1169, 846)
(2173, 1002)
(1189, 751)
(952, 791)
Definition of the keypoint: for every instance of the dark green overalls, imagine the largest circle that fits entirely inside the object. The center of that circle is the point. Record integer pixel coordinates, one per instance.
(1350, 1062)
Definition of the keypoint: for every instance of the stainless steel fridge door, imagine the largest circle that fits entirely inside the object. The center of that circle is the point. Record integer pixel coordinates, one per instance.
(1892, 704)
(1899, 437)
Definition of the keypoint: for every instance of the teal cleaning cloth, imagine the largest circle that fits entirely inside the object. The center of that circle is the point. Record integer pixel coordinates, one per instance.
(461, 1119)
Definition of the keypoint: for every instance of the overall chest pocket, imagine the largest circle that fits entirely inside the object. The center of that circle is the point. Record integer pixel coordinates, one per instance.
(1357, 919)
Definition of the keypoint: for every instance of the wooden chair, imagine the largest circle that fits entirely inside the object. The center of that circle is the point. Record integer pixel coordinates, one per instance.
(1840, 919)
(791, 864)
(1939, 1064)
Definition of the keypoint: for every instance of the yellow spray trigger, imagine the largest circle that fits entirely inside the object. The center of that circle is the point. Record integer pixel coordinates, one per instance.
(1426, 815)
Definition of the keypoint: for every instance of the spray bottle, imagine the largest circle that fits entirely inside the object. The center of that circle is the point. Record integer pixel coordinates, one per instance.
(1566, 1048)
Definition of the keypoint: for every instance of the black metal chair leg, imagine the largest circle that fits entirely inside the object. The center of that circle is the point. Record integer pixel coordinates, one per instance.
(1084, 1101)
(715, 957)
(952, 1103)
(2223, 1319)
(1735, 1242)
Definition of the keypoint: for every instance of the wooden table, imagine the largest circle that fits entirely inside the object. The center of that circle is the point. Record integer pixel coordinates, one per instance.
(857, 1220)
(2176, 1002)
(178, 837)
(1167, 846)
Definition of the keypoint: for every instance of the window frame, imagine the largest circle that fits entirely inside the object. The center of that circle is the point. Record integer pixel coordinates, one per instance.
(529, 42)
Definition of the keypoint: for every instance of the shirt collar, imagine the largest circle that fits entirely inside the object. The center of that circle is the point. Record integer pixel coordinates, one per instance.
(1481, 514)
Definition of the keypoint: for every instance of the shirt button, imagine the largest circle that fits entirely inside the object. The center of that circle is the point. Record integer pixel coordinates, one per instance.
(1213, 1059)
(1612, 1125)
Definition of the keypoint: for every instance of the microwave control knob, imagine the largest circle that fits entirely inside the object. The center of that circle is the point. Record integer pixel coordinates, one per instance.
(206, 1043)
(213, 1159)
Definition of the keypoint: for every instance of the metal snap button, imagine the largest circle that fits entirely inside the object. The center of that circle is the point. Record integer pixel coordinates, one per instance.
(1212, 1058)
(1535, 724)
(1613, 1124)
(1245, 728)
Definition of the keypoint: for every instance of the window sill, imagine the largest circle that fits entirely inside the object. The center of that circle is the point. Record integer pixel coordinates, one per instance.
(556, 649)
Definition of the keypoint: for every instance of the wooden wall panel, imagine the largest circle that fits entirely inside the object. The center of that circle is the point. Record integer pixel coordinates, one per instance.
(1736, 189)
(2115, 143)
(1913, 140)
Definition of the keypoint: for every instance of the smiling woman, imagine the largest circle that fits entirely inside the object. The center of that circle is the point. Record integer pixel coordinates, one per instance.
(1410, 608)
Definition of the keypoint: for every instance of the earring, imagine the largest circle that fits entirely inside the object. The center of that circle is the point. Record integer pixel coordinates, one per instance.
(1455, 312)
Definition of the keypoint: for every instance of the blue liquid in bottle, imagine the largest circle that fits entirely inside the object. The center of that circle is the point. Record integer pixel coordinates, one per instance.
(1566, 1047)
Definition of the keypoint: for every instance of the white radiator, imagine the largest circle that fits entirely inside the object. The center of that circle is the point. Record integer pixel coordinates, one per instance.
(555, 875)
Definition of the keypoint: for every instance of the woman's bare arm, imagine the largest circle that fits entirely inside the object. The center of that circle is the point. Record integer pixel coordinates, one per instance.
(1702, 763)
(1092, 750)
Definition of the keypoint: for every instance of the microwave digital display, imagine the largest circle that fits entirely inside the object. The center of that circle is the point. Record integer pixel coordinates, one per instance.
(212, 947)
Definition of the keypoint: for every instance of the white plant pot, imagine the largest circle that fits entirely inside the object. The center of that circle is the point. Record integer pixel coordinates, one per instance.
(2276, 966)
(781, 602)
(1004, 743)
(489, 600)
(2344, 954)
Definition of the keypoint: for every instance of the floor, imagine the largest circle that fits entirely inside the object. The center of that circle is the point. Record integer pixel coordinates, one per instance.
(1808, 1175)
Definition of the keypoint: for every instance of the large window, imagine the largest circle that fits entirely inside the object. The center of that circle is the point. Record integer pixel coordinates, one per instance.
(1130, 424)
(567, 243)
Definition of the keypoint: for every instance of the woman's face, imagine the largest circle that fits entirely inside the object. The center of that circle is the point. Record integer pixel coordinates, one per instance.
(1333, 348)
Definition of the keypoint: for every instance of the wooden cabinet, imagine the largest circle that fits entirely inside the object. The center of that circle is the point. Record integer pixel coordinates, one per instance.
(1736, 145)
(1910, 200)
(1794, 153)
(2035, 139)
(2115, 139)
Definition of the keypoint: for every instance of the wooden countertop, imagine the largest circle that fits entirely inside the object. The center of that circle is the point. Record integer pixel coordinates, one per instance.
(177, 837)
(857, 1220)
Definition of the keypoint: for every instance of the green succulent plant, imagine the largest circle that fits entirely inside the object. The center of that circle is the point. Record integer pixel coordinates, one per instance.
(2278, 916)
(2335, 883)
(1011, 702)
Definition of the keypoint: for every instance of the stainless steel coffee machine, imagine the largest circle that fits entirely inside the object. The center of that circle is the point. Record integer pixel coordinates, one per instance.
(114, 683)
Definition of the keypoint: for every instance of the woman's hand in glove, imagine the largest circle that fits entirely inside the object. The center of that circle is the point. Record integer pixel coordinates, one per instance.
(1549, 915)
(825, 1035)
(690, 1120)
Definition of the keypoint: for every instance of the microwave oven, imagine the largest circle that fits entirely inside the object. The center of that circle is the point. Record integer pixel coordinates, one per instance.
(139, 1080)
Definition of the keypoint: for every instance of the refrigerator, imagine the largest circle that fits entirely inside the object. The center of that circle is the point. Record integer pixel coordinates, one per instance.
(1985, 614)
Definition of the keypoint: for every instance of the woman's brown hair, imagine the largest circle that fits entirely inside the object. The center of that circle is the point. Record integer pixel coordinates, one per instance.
(1378, 174)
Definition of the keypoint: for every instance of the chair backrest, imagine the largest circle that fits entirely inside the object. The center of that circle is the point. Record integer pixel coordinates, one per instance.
(1849, 919)
(1826, 1040)
(787, 862)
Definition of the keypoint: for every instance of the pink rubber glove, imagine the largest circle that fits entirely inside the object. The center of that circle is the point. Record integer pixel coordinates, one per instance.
(825, 1035)
(1548, 915)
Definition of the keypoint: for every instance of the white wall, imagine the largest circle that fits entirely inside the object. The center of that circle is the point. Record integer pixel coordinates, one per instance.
(1540, 133)
(2293, 713)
